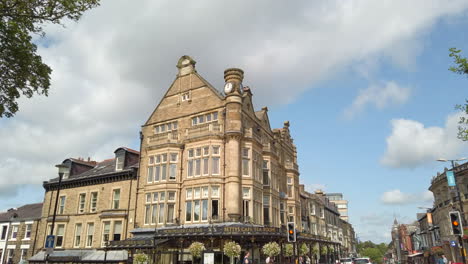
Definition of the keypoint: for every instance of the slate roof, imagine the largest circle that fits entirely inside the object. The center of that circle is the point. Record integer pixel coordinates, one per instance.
(23, 213)
(102, 168)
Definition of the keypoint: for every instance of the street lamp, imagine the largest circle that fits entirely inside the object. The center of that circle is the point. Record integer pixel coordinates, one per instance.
(460, 240)
(62, 168)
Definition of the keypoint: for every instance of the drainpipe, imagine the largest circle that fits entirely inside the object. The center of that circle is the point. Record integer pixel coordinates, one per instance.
(128, 206)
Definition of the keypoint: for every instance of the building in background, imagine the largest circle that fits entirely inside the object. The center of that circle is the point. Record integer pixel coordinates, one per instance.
(341, 204)
(445, 200)
(18, 236)
(96, 205)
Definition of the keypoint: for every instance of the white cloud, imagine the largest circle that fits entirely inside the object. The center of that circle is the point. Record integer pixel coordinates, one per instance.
(112, 67)
(397, 197)
(381, 96)
(412, 144)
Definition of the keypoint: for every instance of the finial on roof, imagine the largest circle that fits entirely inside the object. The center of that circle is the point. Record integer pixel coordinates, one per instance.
(286, 124)
(186, 65)
(265, 109)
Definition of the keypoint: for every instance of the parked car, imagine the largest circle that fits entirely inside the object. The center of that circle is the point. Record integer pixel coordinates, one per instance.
(346, 261)
(362, 261)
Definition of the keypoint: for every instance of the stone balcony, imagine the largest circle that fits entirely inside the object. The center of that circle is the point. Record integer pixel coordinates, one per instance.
(253, 134)
(210, 129)
(164, 138)
(291, 165)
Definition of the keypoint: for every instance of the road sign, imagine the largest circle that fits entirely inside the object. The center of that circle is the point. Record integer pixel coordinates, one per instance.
(50, 241)
(453, 243)
(450, 178)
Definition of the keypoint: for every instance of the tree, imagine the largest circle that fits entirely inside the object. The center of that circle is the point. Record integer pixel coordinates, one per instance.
(22, 71)
(460, 68)
(373, 251)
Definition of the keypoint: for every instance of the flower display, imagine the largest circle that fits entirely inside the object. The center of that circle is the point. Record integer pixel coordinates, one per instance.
(304, 249)
(271, 249)
(196, 248)
(232, 249)
(288, 250)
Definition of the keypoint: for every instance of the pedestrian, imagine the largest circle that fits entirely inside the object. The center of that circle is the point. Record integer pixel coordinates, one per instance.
(268, 260)
(301, 260)
(246, 258)
(440, 260)
(444, 259)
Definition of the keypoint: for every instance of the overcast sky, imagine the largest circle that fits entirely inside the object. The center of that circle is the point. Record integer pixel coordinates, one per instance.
(364, 84)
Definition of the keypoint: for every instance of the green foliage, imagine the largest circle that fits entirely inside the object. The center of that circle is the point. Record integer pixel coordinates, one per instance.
(324, 250)
(460, 68)
(140, 258)
(288, 250)
(271, 249)
(374, 251)
(232, 249)
(22, 71)
(461, 62)
(331, 249)
(315, 249)
(196, 248)
(304, 249)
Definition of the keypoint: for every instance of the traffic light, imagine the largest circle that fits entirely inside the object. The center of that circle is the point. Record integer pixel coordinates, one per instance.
(291, 232)
(455, 220)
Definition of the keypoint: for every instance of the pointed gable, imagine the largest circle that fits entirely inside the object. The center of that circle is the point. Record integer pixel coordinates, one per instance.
(188, 94)
(262, 115)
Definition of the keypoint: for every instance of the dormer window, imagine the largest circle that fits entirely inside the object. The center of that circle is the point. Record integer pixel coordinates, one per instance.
(119, 162)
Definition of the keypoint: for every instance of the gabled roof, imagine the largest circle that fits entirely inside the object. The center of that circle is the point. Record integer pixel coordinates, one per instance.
(23, 213)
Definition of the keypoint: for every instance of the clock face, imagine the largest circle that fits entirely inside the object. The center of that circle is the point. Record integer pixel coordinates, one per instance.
(228, 87)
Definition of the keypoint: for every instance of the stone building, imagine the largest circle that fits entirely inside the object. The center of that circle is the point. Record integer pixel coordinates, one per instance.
(341, 204)
(18, 233)
(446, 200)
(96, 204)
(210, 169)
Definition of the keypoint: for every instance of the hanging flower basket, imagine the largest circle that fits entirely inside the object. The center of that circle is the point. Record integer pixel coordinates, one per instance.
(331, 249)
(196, 248)
(304, 249)
(324, 250)
(271, 249)
(140, 258)
(315, 249)
(232, 249)
(288, 250)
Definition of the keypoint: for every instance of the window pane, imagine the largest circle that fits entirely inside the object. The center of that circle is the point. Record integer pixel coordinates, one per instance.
(215, 191)
(174, 157)
(245, 192)
(155, 197)
(215, 165)
(214, 209)
(197, 193)
(161, 213)
(190, 168)
(190, 153)
(197, 166)
(206, 150)
(172, 171)
(162, 196)
(208, 117)
(188, 211)
(150, 174)
(163, 172)
(205, 166)
(170, 213)
(245, 167)
(147, 214)
(154, 214)
(215, 116)
(189, 193)
(117, 230)
(215, 150)
(196, 210)
(204, 210)
(171, 196)
(157, 173)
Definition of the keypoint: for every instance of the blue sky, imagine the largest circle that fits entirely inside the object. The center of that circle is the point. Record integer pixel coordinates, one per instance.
(365, 86)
